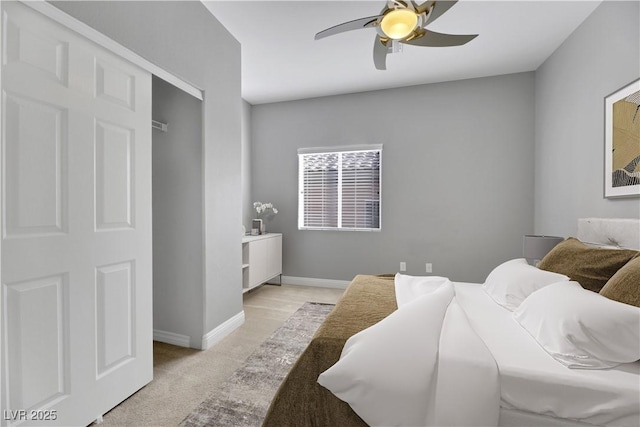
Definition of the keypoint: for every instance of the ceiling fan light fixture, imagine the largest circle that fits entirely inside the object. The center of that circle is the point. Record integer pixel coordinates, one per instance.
(399, 23)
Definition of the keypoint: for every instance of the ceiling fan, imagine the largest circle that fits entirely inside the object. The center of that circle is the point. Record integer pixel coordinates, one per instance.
(403, 22)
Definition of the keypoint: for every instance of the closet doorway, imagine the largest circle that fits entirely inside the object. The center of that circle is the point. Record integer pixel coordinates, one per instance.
(178, 231)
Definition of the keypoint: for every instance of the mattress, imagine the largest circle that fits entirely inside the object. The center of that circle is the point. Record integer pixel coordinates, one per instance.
(533, 382)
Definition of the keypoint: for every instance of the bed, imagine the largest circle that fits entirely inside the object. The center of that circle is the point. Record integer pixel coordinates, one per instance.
(533, 388)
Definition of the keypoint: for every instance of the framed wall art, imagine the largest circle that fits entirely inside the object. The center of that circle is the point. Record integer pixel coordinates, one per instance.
(622, 142)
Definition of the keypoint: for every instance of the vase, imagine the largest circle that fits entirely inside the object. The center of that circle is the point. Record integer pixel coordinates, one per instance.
(256, 227)
(263, 228)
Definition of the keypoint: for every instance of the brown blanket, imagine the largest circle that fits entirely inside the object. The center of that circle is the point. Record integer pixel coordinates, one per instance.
(300, 400)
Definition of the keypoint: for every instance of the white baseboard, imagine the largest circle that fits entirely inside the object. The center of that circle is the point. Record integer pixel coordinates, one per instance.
(217, 334)
(319, 283)
(171, 338)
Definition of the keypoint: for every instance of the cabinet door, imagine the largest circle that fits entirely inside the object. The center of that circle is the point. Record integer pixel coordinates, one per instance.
(258, 270)
(274, 257)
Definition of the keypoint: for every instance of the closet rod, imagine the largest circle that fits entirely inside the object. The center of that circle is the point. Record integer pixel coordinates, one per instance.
(159, 125)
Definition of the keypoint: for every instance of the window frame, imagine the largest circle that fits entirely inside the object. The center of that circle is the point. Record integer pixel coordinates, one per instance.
(339, 151)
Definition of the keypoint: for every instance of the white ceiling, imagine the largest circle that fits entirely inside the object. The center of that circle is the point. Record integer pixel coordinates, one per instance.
(281, 61)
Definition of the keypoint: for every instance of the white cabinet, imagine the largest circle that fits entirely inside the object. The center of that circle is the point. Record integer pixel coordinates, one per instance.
(261, 259)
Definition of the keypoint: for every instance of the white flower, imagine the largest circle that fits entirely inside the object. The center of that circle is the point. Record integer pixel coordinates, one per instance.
(264, 208)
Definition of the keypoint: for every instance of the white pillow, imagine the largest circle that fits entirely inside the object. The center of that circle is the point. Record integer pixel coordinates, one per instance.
(409, 288)
(385, 366)
(512, 281)
(580, 328)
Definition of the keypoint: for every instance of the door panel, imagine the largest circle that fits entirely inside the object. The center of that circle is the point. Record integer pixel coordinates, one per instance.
(115, 85)
(36, 205)
(115, 332)
(76, 223)
(114, 173)
(37, 371)
(40, 50)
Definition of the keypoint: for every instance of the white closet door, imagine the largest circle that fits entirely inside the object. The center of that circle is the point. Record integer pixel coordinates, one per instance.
(76, 254)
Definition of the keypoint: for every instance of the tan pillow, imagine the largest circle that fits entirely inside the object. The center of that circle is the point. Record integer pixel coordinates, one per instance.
(591, 267)
(624, 286)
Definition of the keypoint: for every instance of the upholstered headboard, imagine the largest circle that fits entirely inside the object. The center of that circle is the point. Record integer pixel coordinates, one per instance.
(619, 232)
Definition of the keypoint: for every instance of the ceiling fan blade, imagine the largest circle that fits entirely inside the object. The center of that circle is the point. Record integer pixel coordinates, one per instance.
(380, 54)
(356, 24)
(424, 6)
(433, 39)
(441, 6)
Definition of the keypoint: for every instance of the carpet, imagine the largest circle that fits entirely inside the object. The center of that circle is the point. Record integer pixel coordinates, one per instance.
(245, 397)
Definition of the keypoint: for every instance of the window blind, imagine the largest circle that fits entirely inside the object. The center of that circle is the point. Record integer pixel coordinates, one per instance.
(339, 190)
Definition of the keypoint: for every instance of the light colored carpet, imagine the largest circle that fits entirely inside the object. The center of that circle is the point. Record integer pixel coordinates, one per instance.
(183, 377)
(244, 399)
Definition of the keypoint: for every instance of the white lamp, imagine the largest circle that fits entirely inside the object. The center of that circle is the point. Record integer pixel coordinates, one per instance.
(534, 248)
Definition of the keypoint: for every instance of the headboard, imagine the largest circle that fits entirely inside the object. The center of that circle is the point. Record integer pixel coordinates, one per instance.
(619, 232)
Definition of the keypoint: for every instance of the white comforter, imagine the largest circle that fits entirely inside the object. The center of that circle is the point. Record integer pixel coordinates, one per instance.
(421, 366)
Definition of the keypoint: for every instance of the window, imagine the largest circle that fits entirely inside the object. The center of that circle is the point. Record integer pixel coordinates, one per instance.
(339, 189)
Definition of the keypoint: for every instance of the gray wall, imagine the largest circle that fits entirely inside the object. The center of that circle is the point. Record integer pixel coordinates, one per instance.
(184, 38)
(247, 203)
(457, 176)
(177, 213)
(601, 56)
